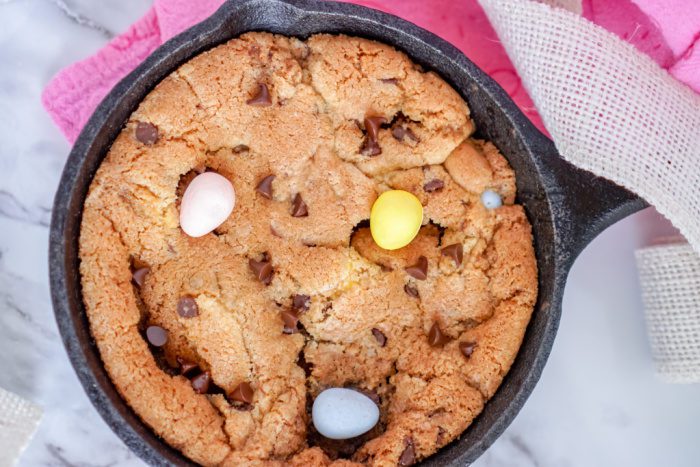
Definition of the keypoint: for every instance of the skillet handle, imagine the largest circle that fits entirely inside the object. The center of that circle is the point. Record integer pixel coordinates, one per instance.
(583, 204)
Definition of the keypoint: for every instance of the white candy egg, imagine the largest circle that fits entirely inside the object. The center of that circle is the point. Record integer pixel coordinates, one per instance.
(207, 202)
(491, 199)
(340, 413)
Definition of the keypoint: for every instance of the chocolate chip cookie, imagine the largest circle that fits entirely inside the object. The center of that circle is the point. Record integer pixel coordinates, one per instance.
(221, 343)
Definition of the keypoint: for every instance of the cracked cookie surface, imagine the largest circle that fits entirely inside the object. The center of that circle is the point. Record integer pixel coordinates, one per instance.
(246, 352)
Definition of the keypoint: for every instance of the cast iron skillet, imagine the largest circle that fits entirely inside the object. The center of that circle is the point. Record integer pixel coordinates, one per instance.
(566, 206)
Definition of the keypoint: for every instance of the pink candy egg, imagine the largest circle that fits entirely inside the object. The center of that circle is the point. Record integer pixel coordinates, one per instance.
(207, 202)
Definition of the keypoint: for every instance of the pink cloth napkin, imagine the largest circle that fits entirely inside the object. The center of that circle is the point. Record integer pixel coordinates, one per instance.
(666, 30)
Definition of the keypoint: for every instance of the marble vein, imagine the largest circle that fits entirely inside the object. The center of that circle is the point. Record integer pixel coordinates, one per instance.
(81, 20)
(27, 317)
(524, 449)
(75, 16)
(12, 208)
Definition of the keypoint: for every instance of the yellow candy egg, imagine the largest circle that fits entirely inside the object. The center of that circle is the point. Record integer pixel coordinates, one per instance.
(395, 219)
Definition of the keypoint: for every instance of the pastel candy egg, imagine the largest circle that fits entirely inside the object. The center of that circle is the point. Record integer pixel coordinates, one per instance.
(395, 219)
(491, 200)
(207, 202)
(340, 413)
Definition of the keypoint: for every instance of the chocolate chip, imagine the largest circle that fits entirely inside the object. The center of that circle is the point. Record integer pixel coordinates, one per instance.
(139, 275)
(301, 302)
(372, 125)
(262, 98)
(243, 393)
(146, 133)
(299, 208)
(454, 251)
(441, 436)
(265, 187)
(436, 338)
(262, 270)
(467, 349)
(290, 320)
(379, 335)
(400, 132)
(240, 148)
(408, 456)
(186, 367)
(419, 270)
(393, 81)
(370, 148)
(411, 291)
(201, 382)
(434, 185)
(187, 307)
(157, 336)
(274, 232)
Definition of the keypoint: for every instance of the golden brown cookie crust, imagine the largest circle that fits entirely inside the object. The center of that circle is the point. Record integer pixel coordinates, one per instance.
(311, 139)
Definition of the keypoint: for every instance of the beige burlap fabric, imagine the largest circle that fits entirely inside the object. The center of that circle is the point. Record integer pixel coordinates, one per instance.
(18, 421)
(611, 110)
(571, 5)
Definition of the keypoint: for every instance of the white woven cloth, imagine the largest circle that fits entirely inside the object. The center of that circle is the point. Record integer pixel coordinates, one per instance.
(18, 422)
(613, 111)
(668, 275)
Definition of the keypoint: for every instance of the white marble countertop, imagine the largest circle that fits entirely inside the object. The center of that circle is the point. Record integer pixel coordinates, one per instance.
(598, 403)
